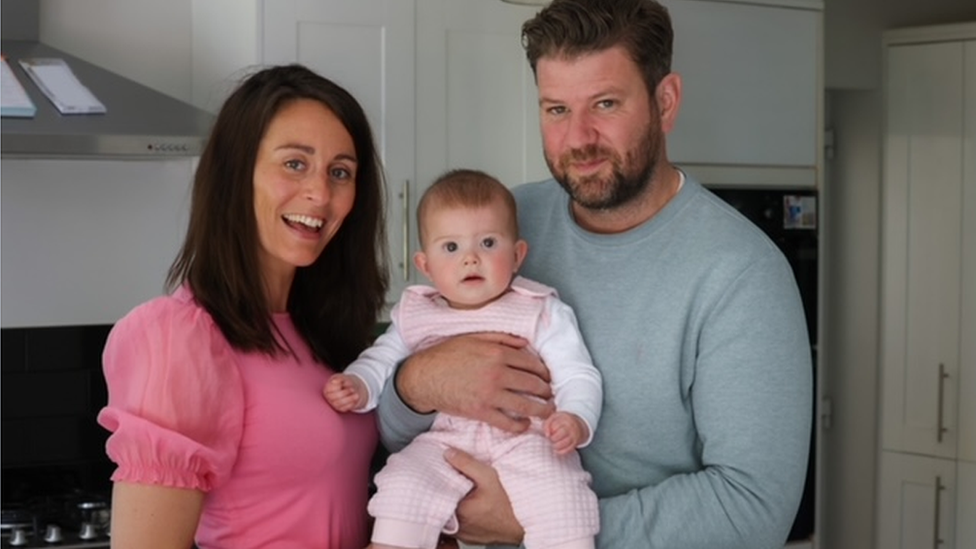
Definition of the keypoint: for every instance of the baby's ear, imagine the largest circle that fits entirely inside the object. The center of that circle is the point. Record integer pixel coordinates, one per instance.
(521, 249)
(420, 260)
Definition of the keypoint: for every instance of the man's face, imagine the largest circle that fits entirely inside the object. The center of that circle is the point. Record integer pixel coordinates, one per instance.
(601, 133)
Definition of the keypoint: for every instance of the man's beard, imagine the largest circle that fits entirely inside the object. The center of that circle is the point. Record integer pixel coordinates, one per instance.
(630, 175)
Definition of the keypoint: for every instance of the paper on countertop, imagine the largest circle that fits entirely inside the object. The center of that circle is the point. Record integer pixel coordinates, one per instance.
(54, 77)
(14, 100)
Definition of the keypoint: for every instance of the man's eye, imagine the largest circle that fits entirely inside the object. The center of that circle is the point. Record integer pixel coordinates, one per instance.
(451, 247)
(488, 242)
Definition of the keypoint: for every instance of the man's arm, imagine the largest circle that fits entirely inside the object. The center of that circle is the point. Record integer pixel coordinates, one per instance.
(489, 377)
(752, 402)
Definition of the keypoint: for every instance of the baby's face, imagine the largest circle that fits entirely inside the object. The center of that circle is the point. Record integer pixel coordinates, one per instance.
(469, 254)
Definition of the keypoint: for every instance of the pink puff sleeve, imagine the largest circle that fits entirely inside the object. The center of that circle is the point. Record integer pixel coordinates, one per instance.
(175, 397)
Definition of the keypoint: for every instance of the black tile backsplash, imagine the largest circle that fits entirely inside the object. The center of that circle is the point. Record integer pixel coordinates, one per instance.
(51, 390)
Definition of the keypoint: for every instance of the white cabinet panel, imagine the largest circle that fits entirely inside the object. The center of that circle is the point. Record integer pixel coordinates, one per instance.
(751, 84)
(366, 46)
(922, 243)
(85, 241)
(477, 104)
(917, 502)
(966, 505)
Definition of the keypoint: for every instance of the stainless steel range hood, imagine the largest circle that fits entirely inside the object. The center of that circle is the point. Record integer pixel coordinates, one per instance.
(139, 123)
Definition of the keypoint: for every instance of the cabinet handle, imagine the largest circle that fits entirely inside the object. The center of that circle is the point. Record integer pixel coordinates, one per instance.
(405, 260)
(939, 487)
(940, 428)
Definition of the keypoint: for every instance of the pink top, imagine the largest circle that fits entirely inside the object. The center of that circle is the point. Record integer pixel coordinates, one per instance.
(280, 467)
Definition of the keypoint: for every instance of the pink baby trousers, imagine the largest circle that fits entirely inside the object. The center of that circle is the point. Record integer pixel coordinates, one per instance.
(418, 491)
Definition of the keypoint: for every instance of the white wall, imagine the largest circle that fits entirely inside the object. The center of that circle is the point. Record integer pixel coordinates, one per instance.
(219, 58)
(85, 241)
(159, 44)
(148, 41)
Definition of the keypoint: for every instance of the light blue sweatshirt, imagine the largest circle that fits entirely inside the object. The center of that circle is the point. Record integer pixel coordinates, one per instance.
(696, 324)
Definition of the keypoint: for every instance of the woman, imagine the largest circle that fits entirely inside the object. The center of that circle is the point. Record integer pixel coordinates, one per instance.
(220, 431)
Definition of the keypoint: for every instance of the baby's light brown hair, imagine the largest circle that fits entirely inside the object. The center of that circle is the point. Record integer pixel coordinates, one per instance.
(464, 188)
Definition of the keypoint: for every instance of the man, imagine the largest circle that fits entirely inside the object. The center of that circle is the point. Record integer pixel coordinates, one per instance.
(690, 312)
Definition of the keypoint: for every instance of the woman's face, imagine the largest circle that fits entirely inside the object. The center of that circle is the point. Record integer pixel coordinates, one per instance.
(304, 186)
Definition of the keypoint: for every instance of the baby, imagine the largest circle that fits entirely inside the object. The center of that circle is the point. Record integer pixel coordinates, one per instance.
(471, 252)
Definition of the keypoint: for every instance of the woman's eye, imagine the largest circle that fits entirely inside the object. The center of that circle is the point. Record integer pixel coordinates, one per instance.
(295, 165)
(451, 247)
(488, 242)
(341, 173)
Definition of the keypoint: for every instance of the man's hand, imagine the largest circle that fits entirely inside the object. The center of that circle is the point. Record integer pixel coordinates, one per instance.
(485, 515)
(488, 377)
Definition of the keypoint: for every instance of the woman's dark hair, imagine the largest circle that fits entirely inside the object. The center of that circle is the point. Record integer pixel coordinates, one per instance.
(569, 28)
(335, 301)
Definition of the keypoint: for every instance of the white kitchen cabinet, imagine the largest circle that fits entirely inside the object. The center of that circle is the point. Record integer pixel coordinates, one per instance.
(752, 87)
(922, 244)
(477, 105)
(928, 363)
(966, 504)
(366, 46)
(917, 498)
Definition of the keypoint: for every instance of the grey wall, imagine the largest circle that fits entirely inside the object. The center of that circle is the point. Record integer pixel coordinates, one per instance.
(19, 20)
(851, 319)
(852, 34)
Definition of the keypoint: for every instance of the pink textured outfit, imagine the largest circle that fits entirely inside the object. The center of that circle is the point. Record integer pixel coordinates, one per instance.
(418, 491)
(280, 468)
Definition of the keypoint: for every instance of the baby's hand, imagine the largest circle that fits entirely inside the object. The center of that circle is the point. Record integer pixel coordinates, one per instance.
(566, 431)
(345, 392)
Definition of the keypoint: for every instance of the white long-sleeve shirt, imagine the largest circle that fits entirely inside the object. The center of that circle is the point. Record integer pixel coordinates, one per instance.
(530, 310)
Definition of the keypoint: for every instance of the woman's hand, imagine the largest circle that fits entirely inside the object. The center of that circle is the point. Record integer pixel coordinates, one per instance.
(488, 377)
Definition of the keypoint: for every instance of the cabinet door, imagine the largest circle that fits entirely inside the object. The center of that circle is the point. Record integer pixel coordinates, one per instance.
(966, 505)
(922, 224)
(477, 105)
(366, 46)
(967, 349)
(751, 87)
(916, 502)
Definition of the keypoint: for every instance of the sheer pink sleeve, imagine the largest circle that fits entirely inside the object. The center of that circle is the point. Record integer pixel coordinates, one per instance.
(175, 397)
